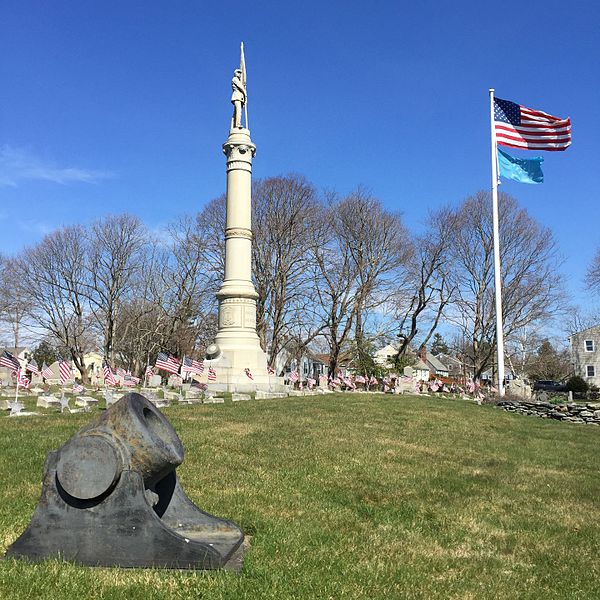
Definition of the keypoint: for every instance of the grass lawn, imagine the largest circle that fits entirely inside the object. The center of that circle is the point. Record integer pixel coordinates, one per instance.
(348, 497)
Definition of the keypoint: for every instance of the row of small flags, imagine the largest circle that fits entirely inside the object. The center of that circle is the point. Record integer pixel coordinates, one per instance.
(171, 364)
(10, 361)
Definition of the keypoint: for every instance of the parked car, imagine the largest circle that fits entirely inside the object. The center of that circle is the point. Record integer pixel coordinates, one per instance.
(547, 385)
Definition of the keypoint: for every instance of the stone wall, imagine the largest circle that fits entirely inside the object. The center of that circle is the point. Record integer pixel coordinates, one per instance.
(571, 412)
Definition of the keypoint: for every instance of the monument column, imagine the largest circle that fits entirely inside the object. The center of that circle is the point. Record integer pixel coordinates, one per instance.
(237, 338)
(237, 295)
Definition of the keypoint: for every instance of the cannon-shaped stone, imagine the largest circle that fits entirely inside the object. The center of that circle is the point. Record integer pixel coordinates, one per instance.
(110, 497)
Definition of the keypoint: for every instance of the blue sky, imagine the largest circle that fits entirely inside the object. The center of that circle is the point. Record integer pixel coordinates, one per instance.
(123, 106)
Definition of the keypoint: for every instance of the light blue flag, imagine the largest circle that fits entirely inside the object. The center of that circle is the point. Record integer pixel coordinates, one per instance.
(523, 170)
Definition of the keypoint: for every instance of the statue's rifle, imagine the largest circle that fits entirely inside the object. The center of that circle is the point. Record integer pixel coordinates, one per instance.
(243, 69)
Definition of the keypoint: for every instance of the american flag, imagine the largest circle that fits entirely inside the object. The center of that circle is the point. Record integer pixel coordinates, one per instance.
(311, 383)
(129, 381)
(270, 370)
(64, 369)
(22, 381)
(149, 371)
(248, 373)
(212, 374)
(520, 127)
(294, 376)
(373, 380)
(131, 377)
(109, 376)
(47, 372)
(121, 372)
(192, 366)
(167, 362)
(78, 388)
(360, 379)
(33, 367)
(10, 361)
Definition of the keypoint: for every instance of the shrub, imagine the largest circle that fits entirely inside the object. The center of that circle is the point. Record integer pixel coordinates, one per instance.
(577, 384)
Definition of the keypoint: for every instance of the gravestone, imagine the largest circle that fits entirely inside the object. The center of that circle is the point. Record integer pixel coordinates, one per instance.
(86, 401)
(236, 397)
(155, 381)
(48, 401)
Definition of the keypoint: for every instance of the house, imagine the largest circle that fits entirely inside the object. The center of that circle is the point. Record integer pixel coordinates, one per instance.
(385, 356)
(585, 354)
(436, 366)
(93, 365)
(453, 364)
(420, 370)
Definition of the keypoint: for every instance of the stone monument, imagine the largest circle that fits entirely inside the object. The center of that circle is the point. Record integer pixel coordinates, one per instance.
(237, 349)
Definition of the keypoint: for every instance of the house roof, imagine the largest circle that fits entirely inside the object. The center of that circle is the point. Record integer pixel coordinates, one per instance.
(584, 330)
(448, 360)
(16, 351)
(421, 366)
(435, 363)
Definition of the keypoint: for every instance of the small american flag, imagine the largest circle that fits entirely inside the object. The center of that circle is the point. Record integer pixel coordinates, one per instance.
(131, 377)
(128, 380)
(311, 383)
(121, 372)
(10, 361)
(47, 372)
(519, 127)
(64, 369)
(270, 370)
(22, 381)
(360, 379)
(212, 374)
(248, 373)
(78, 388)
(373, 380)
(149, 371)
(167, 362)
(192, 366)
(294, 376)
(109, 376)
(33, 367)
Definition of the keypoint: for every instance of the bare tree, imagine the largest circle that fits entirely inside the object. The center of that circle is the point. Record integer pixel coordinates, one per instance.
(531, 285)
(285, 210)
(52, 279)
(428, 283)
(116, 246)
(13, 304)
(379, 247)
(593, 274)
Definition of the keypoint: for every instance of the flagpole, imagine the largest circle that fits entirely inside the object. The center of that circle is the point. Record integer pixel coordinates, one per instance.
(497, 271)
(17, 390)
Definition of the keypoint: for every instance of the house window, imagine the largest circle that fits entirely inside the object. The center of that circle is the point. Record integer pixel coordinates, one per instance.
(591, 371)
(589, 345)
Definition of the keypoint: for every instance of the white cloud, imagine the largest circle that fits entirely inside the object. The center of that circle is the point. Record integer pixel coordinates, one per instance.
(17, 164)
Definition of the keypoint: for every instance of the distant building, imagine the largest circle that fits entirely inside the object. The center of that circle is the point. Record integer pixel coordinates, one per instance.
(385, 356)
(436, 366)
(453, 364)
(585, 354)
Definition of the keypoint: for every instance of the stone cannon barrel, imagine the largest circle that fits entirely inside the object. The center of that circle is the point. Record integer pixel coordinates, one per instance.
(131, 435)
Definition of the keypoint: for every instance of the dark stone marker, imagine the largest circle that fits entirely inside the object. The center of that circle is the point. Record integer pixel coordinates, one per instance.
(110, 497)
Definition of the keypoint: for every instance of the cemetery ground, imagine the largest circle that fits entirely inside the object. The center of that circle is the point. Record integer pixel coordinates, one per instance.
(349, 496)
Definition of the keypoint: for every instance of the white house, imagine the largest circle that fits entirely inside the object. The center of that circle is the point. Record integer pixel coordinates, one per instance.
(585, 354)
